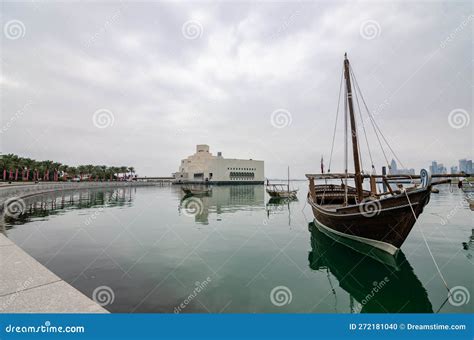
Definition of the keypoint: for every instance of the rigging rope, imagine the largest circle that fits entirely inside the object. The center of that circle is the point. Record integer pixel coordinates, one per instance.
(335, 123)
(345, 147)
(334, 133)
(378, 128)
(358, 144)
(363, 125)
(427, 246)
(371, 120)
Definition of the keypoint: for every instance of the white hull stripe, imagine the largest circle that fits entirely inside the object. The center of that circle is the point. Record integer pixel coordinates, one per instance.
(387, 247)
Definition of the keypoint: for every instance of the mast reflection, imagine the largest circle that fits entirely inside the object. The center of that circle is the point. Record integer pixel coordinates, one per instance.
(379, 286)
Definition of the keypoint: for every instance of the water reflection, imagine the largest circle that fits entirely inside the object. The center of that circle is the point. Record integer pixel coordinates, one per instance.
(378, 287)
(469, 245)
(54, 203)
(278, 206)
(222, 200)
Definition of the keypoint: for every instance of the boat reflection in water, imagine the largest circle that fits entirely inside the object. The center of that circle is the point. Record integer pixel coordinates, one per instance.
(222, 200)
(377, 285)
(276, 206)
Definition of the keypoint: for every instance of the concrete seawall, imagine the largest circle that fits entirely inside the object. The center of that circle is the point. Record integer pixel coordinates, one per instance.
(26, 286)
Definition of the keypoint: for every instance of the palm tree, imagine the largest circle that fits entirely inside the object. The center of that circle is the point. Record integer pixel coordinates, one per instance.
(131, 170)
(28, 165)
(23, 168)
(123, 170)
(71, 172)
(103, 172)
(82, 169)
(63, 169)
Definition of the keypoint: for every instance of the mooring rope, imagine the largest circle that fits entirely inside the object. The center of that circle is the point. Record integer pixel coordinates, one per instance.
(427, 246)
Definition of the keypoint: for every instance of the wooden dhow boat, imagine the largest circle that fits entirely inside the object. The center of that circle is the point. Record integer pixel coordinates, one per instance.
(282, 191)
(380, 218)
(196, 191)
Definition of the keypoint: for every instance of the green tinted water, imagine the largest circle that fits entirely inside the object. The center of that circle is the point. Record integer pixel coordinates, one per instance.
(237, 252)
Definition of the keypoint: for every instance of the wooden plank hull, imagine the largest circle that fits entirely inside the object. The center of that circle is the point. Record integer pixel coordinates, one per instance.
(383, 223)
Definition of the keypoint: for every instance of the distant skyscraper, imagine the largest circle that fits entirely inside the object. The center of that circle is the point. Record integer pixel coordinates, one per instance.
(462, 165)
(465, 165)
(393, 167)
(394, 170)
(437, 168)
(454, 169)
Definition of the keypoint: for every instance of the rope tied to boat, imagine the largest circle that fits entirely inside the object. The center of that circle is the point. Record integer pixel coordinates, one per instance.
(427, 246)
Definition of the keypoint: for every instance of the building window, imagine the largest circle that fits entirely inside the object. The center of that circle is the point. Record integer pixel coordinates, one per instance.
(241, 176)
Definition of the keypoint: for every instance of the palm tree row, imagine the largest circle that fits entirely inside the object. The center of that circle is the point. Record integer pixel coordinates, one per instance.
(15, 168)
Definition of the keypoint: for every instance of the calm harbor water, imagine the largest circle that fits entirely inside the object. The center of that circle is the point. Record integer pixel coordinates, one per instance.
(236, 252)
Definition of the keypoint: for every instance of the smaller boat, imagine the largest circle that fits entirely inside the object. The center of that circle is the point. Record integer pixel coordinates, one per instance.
(467, 186)
(280, 191)
(470, 200)
(196, 191)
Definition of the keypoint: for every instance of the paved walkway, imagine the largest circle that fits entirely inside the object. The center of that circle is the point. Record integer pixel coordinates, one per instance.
(26, 286)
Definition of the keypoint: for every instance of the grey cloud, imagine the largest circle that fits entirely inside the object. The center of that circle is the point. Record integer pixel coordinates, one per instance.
(168, 93)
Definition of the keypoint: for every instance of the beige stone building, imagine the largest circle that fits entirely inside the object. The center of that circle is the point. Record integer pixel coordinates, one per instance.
(204, 167)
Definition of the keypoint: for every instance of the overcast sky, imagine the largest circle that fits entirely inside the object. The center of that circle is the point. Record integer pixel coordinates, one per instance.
(142, 83)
